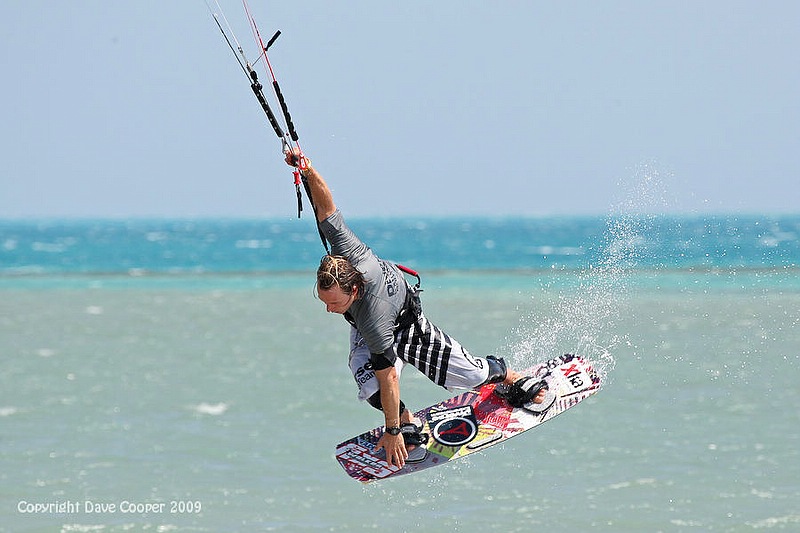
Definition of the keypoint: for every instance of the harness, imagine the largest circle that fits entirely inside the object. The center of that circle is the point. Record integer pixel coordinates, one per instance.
(412, 308)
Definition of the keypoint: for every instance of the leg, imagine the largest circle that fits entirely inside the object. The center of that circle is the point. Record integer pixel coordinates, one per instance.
(447, 363)
(515, 387)
(362, 370)
(440, 357)
(375, 401)
(499, 372)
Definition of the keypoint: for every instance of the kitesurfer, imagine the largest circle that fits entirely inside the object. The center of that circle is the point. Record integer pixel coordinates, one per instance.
(389, 330)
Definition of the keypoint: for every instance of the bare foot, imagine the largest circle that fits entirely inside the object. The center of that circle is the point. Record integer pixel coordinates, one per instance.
(512, 376)
(539, 398)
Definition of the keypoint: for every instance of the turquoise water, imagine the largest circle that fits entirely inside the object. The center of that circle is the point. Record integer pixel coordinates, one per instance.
(153, 384)
(137, 247)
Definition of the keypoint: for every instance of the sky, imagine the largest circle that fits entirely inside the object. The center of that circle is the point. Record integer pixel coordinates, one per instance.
(454, 107)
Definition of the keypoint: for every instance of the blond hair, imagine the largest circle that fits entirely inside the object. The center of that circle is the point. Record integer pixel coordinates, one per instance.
(338, 270)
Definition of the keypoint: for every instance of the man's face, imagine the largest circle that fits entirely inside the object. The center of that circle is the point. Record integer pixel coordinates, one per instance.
(336, 300)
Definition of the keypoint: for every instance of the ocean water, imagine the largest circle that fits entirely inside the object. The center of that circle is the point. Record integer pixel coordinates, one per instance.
(175, 375)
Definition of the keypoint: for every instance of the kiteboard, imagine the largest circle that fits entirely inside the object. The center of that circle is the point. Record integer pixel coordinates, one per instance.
(474, 421)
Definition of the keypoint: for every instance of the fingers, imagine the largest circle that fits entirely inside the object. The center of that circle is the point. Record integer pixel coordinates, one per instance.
(398, 458)
(291, 159)
(402, 455)
(396, 452)
(293, 156)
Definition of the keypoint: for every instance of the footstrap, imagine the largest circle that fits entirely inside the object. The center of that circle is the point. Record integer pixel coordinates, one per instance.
(522, 391)
(412, 435)
(539, 408)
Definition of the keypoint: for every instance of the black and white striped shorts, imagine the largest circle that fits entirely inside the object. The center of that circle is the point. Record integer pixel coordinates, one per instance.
(430, 350)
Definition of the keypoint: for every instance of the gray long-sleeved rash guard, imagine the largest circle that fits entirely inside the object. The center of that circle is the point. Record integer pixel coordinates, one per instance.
(374, 313)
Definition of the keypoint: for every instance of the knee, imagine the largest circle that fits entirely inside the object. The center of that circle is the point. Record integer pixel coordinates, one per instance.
(375, 401)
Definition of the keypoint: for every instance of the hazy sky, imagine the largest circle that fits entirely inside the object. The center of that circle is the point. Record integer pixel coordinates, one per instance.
(137, 108)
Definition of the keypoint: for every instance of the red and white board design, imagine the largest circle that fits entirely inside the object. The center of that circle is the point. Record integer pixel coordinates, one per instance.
(473, 421)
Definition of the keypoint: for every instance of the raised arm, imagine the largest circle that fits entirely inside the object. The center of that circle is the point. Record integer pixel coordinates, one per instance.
(320, 193)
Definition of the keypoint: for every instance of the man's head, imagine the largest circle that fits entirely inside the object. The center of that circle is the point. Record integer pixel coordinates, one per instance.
(339, 284)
